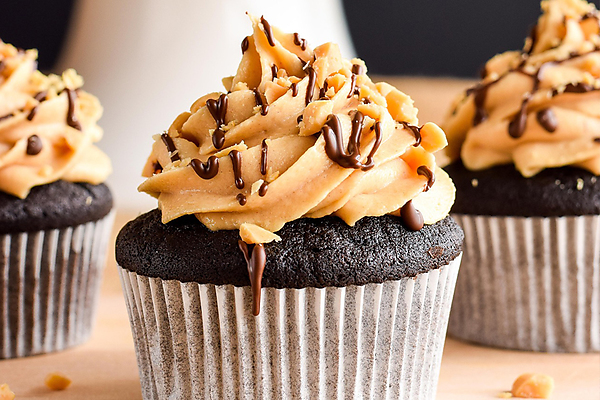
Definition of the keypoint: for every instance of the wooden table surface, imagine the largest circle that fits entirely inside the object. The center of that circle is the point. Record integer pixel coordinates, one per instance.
(105, 367)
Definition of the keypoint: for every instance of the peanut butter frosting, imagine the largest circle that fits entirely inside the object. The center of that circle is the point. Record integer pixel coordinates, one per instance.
(47, 126)
(537, 108)
(298, 133)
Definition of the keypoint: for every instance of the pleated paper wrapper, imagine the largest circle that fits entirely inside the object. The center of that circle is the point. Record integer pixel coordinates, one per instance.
(529, 283)
(377, 341)
(49, 287)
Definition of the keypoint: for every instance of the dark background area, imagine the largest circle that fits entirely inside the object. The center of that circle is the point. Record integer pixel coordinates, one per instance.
(394, 37)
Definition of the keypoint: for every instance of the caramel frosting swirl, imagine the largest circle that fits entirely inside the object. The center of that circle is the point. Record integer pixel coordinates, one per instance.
(299, 133)
(47, 126)
(537, 108)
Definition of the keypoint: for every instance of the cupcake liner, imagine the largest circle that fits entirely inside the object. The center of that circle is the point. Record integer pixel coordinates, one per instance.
(529, 283)
(374, 341)
(49, 287)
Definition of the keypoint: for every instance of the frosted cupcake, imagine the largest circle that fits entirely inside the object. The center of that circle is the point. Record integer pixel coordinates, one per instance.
(302, 247)
(524, 147)
(54, 210)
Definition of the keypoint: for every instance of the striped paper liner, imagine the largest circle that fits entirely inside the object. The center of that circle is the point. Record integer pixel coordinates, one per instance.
(375, 341)
(529, 283)
(49, 286)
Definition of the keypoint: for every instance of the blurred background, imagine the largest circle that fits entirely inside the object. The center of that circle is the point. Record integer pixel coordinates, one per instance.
(148, 60)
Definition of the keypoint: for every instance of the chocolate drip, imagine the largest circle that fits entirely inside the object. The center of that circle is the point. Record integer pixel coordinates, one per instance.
(517, 125)
(264, 151)
(302, 62)
(262, 190)
(218, 110)
(357, 69)
(245, 44)
(294, 88)
(241, 198)
(32, 113)
(323, 92)
(298, 41)
(300, 118)
(352, 85)
(256, 259)
(34, 145)
(310, 88)
(41, 96)
(578, 87)
(170, 146)
(71, 118)
(427, 173)
(479, 101)
(264, 107)
(7, 116)
(597, 140)
(547, 119)
(236, 162)
(268, 31)
(411, 217)
(350, 158)
(274, 70)
(156, 168)
(416, 131)
(206, 170)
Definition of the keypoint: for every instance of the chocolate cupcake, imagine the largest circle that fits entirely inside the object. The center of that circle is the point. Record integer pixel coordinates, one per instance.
(55, 215)
(302, 247)
(524, 152)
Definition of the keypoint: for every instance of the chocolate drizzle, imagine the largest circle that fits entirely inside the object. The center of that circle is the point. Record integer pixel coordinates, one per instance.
(427, 173)
(411, 217)
(245, 44)
(241, 198)
(547, 119)
(264, 151)
(352, 85)
(236, 162)
(577, 87)
(71, 118)
(218, 110)
(310, 88)
(264, 107)
(268, 31)
(298, 41)
(274, 70)
(357, 69)
(7, 116)
(170, 146)
(323, 91)
(206, 170)
(32, 113)
(300, 118)
(156, 168)
(34, 145)
(256, 259)
(416, 131)
(262, 190)
(349, 158)
(294, 87)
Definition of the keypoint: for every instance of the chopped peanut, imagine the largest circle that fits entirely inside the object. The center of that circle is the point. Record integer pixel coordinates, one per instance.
(433, 137)
(57, 381)
(417, 156)
(533, 386)
(6, 393)
(505, 395)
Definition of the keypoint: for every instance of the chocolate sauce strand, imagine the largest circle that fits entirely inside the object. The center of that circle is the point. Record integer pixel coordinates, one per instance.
(218, 110)
(479, 101)
(427, 173)
(256, 259)
(264, 107)
(357, 69)
(310, 88)
(34, 145)
(241, 198)
(274, 70)
(170, 146)
(245, 44)
(378, 138)
(262, 190)
(264, 151)
(268, 31)
(411, 217)
(352, 86)
(300, 118)
(357, 126)
(157, 168)
(298, 41)
(416, 131)
(547, 119)
(71, 118)
(236, 162)
(32, 113)
(323, 91)
(294, 88)
(206, 170)
(7, 116)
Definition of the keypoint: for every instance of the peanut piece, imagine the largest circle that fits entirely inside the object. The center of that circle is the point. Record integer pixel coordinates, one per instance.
(6, 393)
(433, 137)
(533, 386)
(57, 381)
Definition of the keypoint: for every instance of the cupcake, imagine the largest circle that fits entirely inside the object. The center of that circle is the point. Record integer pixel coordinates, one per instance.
(54, 210)
(524, 153)
(302, 246)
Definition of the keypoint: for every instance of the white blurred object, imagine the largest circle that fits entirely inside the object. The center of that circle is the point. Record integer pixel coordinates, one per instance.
(148, 60)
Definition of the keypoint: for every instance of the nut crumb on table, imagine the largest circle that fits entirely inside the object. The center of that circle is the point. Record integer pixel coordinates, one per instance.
(533, 386)
(6, 393)
(57, 381)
